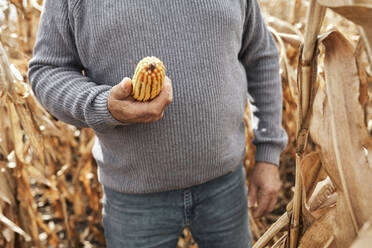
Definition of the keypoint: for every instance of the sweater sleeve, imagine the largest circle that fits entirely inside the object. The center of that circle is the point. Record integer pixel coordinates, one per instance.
(56, 78)
(260, 58)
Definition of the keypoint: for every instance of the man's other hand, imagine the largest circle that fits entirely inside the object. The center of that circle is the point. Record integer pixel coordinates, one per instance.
(126, 109)
(264, 187)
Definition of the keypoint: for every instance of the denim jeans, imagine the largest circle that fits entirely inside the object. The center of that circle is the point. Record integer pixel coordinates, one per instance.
(216, 213)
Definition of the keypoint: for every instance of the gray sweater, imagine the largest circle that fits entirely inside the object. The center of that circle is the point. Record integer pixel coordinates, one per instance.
(215, 52)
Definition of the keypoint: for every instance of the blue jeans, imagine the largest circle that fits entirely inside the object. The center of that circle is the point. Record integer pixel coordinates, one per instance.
(216, 213)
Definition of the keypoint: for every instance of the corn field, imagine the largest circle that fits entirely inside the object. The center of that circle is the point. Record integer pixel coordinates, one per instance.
(49, 191)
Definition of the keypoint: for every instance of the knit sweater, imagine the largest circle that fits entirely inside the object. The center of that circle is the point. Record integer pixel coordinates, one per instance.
(215, 52)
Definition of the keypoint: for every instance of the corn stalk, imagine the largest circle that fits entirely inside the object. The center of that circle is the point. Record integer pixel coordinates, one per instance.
(306, 82)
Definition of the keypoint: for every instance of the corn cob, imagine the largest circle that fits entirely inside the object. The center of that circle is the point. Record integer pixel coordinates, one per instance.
(148, 79)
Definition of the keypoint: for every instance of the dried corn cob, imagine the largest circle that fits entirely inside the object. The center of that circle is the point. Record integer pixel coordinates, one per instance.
(148, 80)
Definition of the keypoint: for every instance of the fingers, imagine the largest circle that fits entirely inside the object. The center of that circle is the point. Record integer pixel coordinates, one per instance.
(267, 199)
(165, 97)
(252, 195)
(272, 204)
(168, 88)
(265, 186)
(263, 203)
(133, 111)
(155, 108)
(152, 118)
(122, 90)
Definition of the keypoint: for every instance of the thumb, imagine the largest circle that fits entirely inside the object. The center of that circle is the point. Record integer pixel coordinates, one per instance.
(252, 195)
(122, 90)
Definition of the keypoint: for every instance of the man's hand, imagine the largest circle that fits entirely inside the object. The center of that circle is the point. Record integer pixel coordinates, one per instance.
(264, 186)
(124, 108)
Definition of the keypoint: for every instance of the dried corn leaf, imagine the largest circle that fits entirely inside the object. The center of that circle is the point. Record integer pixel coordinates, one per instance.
(323, 191)
(10, 224)
(5, 76)
(364, 239)
(337, 126)
(314, 195)
(311, 172)
(318, 234)
(6, 193)
(31, 131)
(17, 133)
(281, 242)
(357, 11)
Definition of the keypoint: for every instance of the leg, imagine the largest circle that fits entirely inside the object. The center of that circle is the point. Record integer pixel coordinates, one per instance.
(143, 220)
(221, 213)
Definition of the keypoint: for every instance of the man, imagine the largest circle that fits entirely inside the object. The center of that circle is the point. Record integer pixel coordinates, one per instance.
(174, 161)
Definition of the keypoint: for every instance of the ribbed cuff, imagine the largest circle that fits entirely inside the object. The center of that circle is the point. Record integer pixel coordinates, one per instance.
(268, 153)
(100, 117)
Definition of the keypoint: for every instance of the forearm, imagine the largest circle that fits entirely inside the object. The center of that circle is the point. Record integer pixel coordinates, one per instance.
(55, 74)
(259, 55)
(70, 96)
(264, 85)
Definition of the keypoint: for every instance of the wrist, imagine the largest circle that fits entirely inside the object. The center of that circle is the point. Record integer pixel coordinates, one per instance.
(268, 164)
